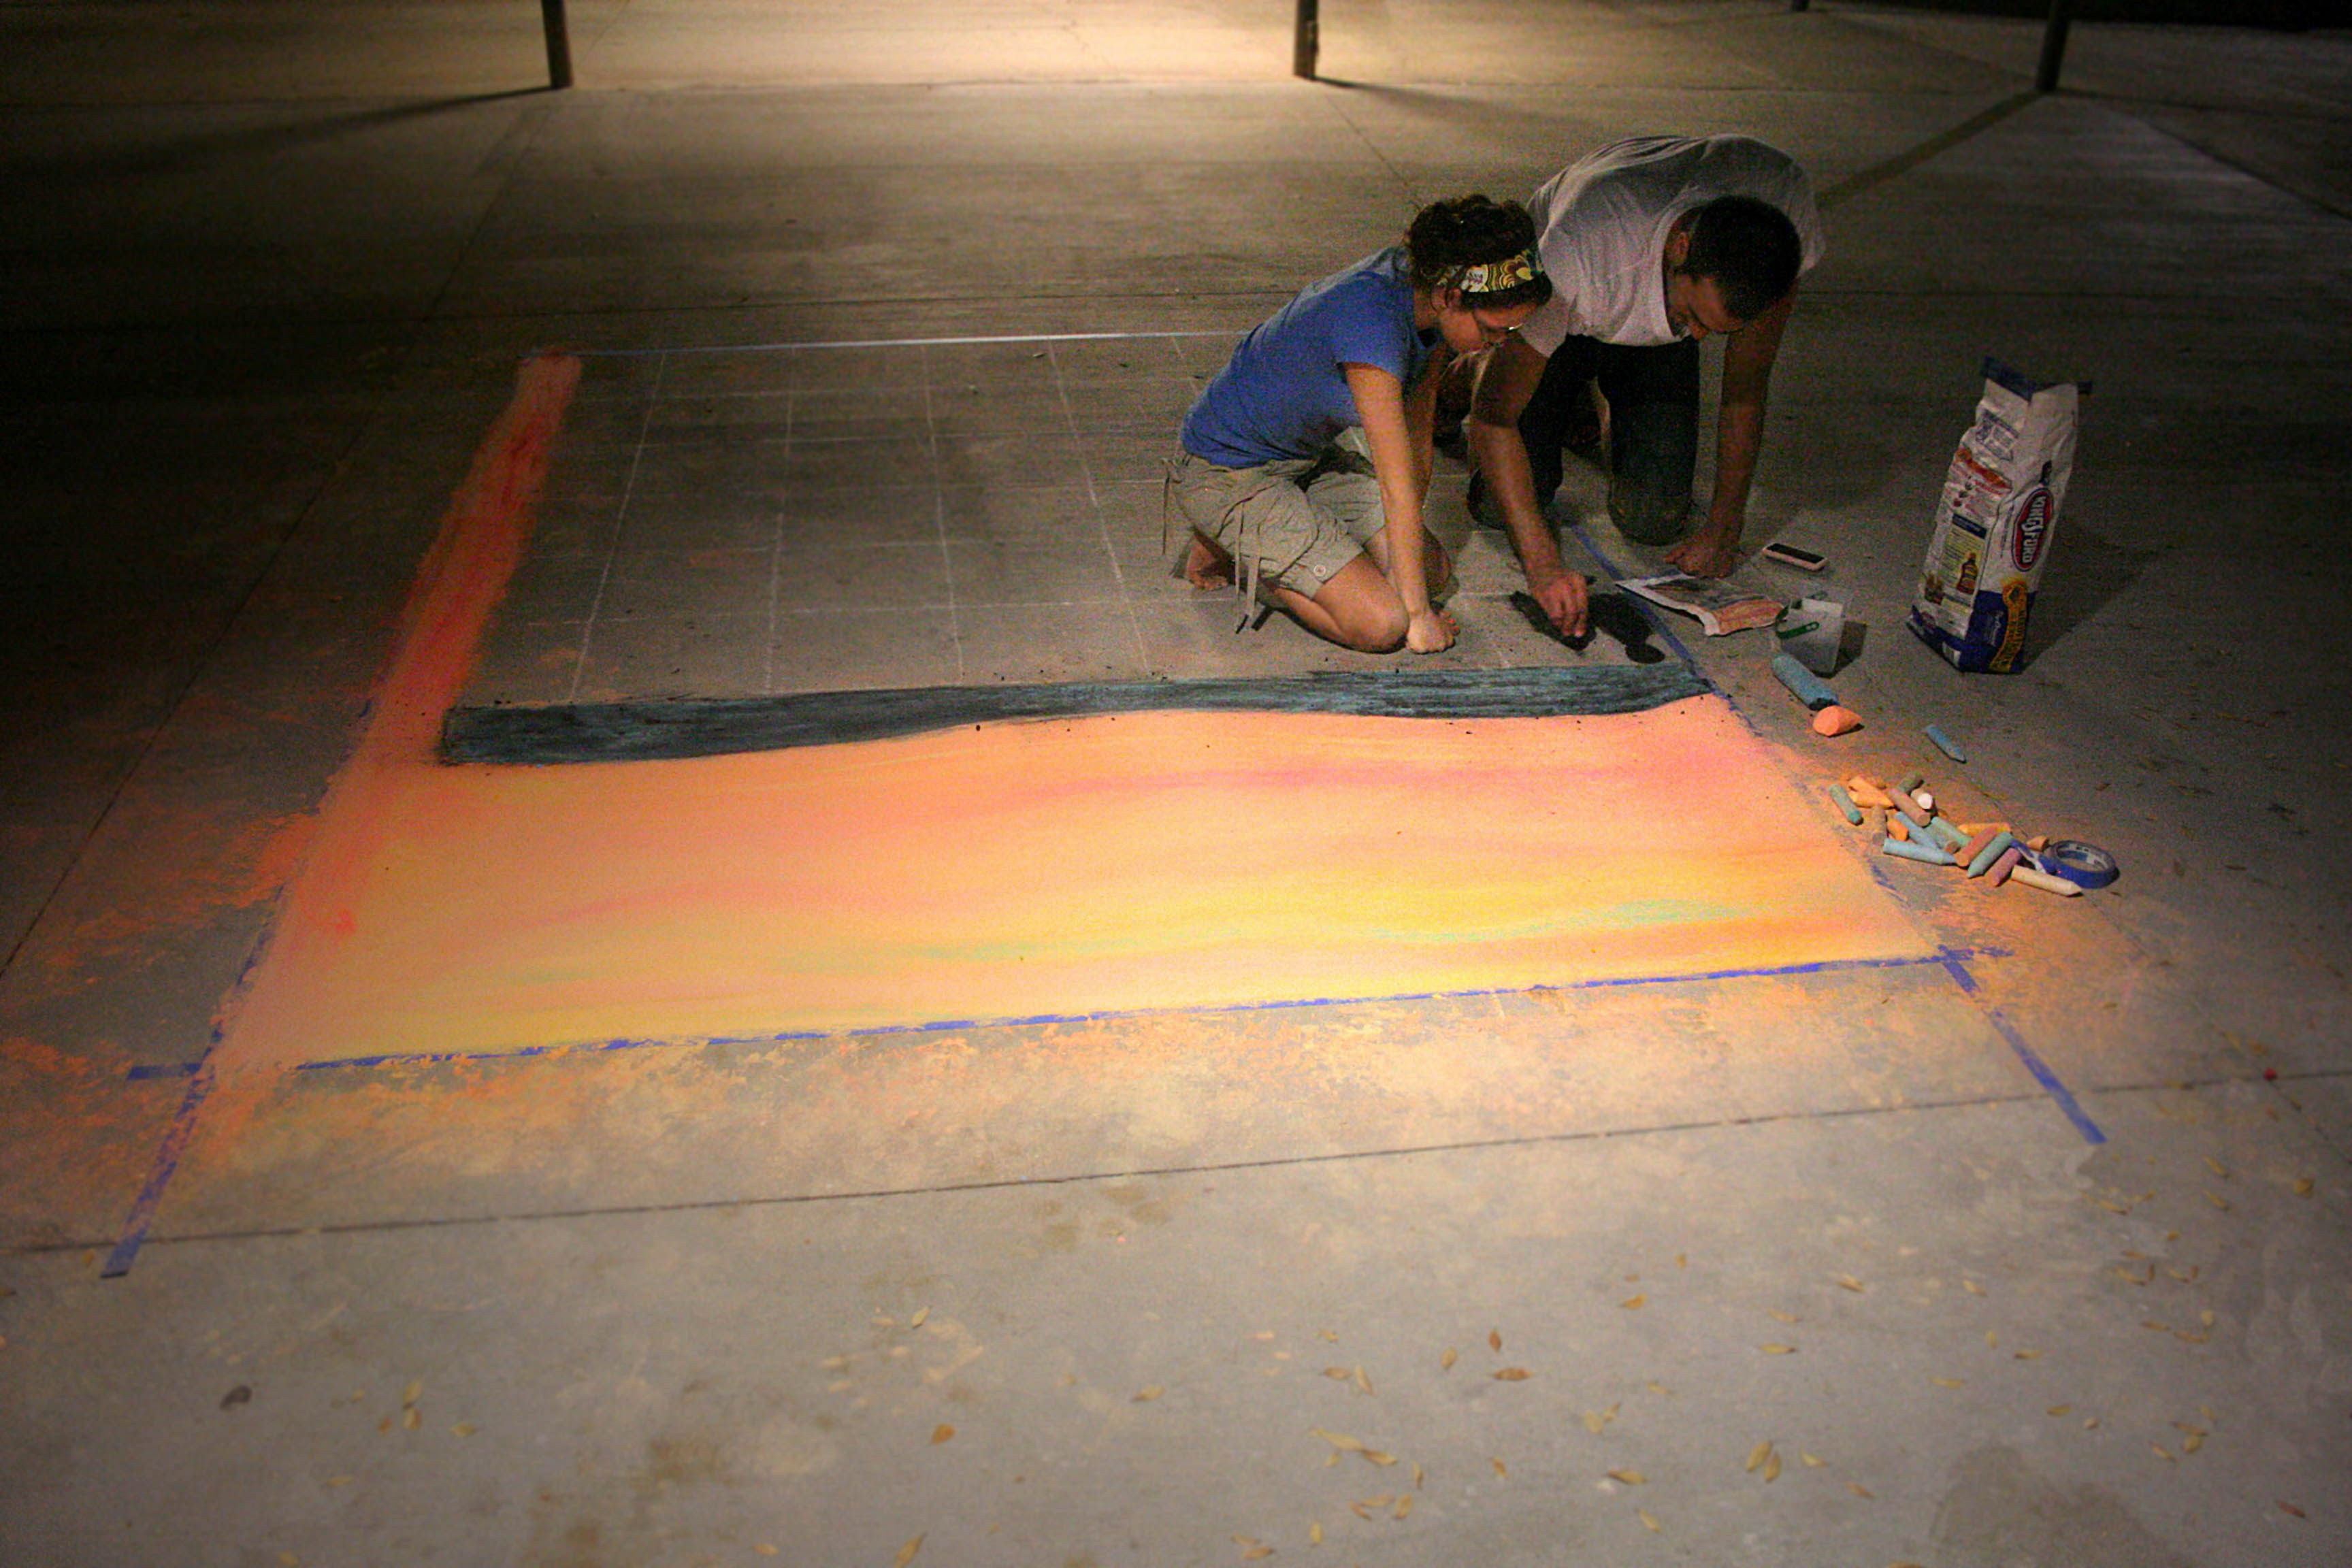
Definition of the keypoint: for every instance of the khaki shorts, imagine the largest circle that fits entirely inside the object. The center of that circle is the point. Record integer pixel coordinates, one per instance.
(1296, 521)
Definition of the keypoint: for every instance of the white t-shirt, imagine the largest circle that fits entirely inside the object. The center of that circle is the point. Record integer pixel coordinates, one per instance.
(1602, 224)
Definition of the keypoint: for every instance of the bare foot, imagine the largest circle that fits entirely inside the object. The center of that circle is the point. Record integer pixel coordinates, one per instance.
(1208, 566)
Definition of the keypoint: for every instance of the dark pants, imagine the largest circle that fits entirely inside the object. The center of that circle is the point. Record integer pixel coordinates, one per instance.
(1653, 396)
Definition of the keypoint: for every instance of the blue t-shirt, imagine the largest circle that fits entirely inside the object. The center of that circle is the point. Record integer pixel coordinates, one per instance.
(1283, 394)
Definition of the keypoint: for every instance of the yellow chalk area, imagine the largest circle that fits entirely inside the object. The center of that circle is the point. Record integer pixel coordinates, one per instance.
(1163, 860)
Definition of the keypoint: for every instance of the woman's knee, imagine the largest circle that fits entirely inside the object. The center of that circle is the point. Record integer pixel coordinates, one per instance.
(1373, 627)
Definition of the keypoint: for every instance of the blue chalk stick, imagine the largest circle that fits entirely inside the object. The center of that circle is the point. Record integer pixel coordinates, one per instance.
(1912, 850)
(1945, 744)
(1845, 804)
(1807, 686)
(1991, 853)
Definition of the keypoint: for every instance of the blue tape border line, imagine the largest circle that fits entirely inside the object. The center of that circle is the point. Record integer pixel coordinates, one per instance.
(1956, 967)
(166, 1165)
(1941, 958)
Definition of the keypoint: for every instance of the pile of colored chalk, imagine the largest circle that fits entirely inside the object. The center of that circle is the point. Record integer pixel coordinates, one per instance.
(1913, 829)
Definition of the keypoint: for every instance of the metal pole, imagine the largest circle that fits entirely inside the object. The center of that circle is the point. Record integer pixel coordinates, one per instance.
(1308, 40)
(2053, 46)
(559, 44)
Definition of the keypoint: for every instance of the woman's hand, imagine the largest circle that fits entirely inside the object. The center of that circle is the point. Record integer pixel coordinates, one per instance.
(1428, 631)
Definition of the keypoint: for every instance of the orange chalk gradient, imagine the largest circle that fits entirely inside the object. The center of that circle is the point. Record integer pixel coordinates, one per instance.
(1106, 864)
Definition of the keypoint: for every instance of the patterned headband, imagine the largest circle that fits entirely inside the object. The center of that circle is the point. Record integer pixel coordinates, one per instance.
(1498, 277)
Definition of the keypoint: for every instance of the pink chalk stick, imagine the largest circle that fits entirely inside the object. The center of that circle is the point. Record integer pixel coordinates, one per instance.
(1984, 836)
(2000, 869)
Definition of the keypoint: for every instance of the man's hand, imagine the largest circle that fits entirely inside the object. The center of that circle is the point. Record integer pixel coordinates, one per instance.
(1709, 552)
(1561, 593)
(1428, 631)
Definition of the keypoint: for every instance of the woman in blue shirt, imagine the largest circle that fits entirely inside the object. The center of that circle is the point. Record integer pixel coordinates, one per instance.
(1306, 460)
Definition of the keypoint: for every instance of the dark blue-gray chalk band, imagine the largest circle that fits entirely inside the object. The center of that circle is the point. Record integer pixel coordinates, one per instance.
(705, 727)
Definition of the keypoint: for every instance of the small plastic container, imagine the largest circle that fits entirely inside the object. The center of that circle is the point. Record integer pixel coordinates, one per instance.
(1810, 631)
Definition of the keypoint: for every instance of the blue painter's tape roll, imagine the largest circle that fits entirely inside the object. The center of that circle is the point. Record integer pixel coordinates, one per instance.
(2085, 864)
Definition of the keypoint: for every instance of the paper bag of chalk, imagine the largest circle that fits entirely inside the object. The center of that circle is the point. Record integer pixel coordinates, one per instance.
(1997, 521)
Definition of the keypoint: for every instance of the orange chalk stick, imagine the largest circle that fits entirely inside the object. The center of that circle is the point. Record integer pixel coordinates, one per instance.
(1867, 791)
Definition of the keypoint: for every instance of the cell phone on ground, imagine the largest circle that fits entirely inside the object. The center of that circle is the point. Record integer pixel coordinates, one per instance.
(1790, 555)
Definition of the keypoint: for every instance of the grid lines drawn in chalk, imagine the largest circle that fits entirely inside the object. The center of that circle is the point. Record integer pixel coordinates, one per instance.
(775, 520)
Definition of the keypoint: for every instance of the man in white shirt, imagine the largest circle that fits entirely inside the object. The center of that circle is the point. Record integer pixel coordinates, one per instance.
(1652, 245)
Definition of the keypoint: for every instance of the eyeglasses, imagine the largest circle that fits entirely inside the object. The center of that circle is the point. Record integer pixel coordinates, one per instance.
(1490, 331)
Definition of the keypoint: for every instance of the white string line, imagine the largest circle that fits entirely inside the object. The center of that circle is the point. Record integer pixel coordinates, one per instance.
(900, 343)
